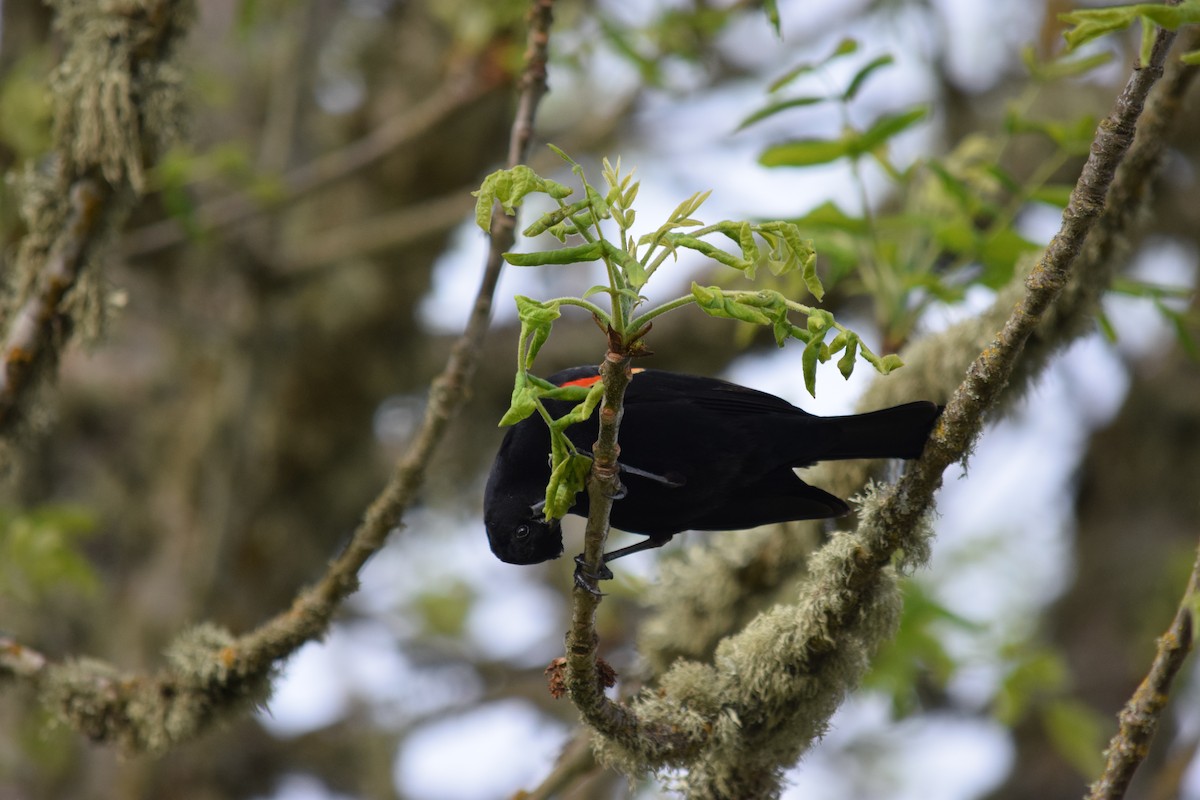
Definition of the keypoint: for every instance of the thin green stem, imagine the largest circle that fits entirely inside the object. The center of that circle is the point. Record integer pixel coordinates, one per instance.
(600, 313)
(661, 257)
(650, 268)
(658, 311)
(617, 321)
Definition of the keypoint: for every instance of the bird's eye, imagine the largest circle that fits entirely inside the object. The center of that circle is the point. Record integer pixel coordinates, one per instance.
(523, 532)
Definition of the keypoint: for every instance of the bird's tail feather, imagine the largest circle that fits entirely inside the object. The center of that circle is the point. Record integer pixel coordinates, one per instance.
(898, 432)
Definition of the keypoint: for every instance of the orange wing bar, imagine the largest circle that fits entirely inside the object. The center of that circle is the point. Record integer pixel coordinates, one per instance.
(592, 380)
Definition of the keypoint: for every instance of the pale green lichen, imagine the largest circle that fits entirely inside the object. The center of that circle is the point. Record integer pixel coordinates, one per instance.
(152, 714)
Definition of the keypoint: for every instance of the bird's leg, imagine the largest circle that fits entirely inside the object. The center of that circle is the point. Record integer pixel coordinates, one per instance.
(649, 543)
(589, 581)
(585, 579)
(674, 481)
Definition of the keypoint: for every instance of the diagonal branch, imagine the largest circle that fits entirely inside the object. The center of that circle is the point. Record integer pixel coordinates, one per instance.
(306, 179)
(1139, 718)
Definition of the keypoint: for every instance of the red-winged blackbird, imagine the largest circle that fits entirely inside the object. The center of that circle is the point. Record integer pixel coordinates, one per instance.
(696, 454)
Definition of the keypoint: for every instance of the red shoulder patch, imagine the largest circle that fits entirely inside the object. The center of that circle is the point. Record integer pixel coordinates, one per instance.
(592, 380)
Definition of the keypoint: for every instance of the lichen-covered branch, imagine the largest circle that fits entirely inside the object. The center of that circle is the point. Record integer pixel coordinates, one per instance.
(1139, 718)
(116, 104)
(210, 672)
(771, 687)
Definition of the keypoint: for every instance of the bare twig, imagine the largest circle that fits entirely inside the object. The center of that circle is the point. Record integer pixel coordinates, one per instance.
(314, 255)
(18, 661)
(33, 334)
(613, 719)
(1139, 718)
(576, 762)
(304, 180)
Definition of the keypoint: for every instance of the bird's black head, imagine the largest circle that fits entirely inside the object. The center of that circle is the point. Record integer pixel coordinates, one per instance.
(521, 535)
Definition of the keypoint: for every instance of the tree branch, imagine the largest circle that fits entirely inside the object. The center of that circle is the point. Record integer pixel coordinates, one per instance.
(113, 98)
(324, 170)
(212, 672)
(1139, 718)
(615, 720)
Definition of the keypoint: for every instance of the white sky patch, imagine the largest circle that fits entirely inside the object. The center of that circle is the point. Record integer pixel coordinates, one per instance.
(304, 787)
(361, 662)
(485, 753)
(939, 757)
(1141, 328)
(981, 37)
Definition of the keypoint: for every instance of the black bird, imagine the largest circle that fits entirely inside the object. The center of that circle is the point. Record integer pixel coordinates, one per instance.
(696, 454)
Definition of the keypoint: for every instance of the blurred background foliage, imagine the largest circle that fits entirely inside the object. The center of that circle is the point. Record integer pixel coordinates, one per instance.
(274, 320)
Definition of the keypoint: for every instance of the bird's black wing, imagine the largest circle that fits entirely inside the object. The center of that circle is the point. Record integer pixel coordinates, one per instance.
(651, 385)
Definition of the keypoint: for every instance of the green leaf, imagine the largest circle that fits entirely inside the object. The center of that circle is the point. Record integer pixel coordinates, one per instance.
(704, 248)
(808, 362)
(631, 268)
(1077, 732)
(522, 404)
(714, 302)
(555, 217)
(851, 144)
(882, 365)
(888, 363)
(888, 126)
(690, 206)
(510, 187)
(1035, 674)
(844, 48)
(1147, 47)
(771, 9)
(1179, 323)
(806, 254)
(564, 255)
(846, 362)
(1094, 23)
(749, 247)
(536, 320)
(1055, 194)
(805, 152)
(1060, 68)
(1074, 138)
(567, 480)
(774, 108)
(1091, 24)
(41, 553)
(583, 411)
(860, 77)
